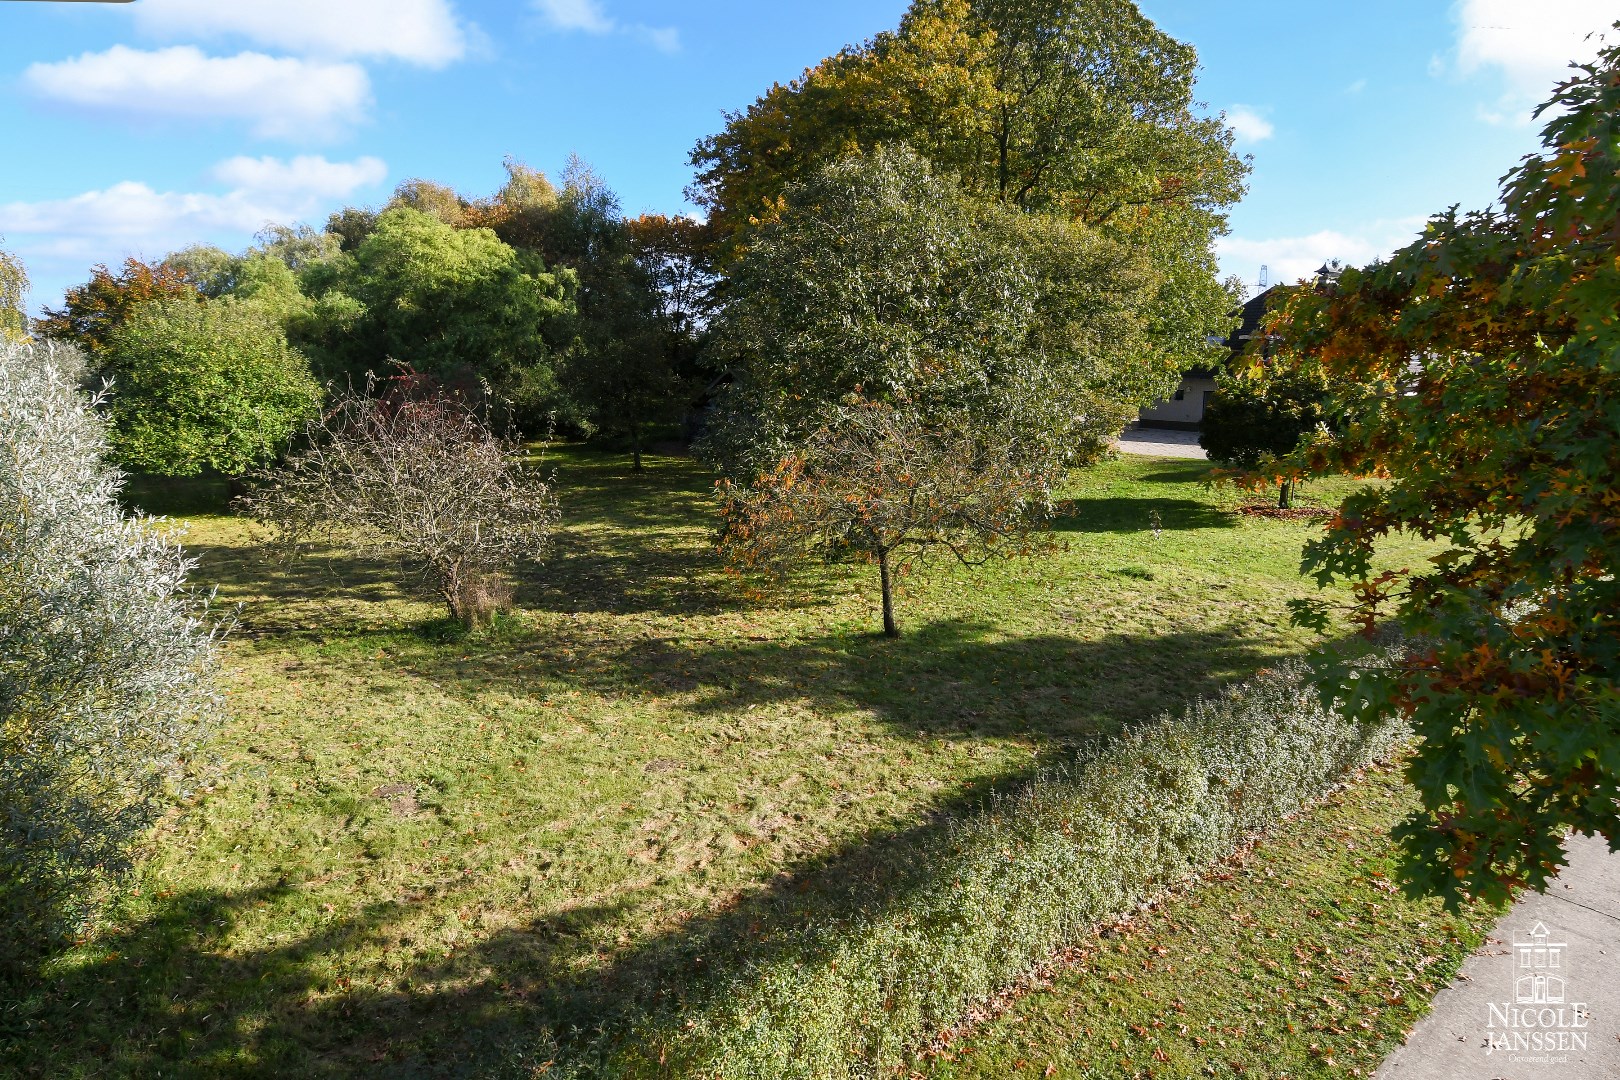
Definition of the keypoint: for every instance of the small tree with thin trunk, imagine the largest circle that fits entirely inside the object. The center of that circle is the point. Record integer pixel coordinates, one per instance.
(1262, 416)
(877, 483)
(422, 480)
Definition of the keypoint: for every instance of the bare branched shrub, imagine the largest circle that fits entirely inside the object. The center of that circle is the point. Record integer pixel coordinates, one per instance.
(106, 661)
(882, 483)
(422, 481)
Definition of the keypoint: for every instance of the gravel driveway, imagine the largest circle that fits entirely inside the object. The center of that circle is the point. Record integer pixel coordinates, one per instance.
(1160, 442)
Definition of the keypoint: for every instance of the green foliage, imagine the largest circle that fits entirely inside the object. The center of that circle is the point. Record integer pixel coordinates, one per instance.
(1078, 108)
(211, 385)
(1033, 871)
(106, 672)
(1297, 954)
(883, 281)
(13, 297)
(620, 365)
(455, 303)
(1480, 368)
(1261, 416)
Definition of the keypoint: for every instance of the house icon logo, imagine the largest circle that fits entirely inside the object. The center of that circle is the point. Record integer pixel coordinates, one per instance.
(1540, 980)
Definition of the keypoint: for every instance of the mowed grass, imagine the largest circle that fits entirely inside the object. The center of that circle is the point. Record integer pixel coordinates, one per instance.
(1298, 958)
(423, 851)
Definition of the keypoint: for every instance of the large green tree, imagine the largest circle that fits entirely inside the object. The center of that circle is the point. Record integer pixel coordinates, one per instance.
(204, 386)
(1479, 369)
(1079, 108)
(883, 282)
(455, 303)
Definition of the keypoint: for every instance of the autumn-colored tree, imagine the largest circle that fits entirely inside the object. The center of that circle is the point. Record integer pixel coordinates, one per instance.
(878, 483)
(674, 253)
(1479, 369)
(1078, 108)
(92, 313)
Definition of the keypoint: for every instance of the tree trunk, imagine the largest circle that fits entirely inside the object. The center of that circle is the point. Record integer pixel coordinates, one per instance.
(635, 448)
(890, 628)
(1285, 497)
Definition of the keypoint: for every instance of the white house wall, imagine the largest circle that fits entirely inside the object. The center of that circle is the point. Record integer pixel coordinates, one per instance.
(1185, 409)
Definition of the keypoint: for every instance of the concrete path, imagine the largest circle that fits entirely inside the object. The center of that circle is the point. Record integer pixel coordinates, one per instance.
(1541, 999)
(1160, 442)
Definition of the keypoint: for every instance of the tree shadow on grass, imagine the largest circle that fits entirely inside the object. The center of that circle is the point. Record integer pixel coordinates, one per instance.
(1137, 515)
(170, 996)
(951, 679)
(180, 996)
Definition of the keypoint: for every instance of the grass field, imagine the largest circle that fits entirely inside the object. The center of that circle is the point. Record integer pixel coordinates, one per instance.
(424, 850)
(1299, 958)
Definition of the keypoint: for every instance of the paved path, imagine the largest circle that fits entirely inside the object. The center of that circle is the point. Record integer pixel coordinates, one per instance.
(1160, 442)
(1541, 1030)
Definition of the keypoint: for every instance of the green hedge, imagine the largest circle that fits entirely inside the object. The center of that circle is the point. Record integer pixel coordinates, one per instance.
(1035, 870)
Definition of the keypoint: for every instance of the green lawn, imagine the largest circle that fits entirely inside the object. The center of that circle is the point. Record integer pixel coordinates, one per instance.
(423, 851)
(1299, 958)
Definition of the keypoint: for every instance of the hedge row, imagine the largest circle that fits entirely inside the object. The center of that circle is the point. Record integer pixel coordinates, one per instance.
(1035, 870)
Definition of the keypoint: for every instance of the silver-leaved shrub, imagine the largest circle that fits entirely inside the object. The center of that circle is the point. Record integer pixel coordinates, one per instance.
(852, 996)
(107, 658)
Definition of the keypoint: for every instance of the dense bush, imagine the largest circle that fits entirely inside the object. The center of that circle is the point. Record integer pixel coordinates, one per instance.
(105, 663)
(1036, 870)
(211, 385)
(1261, 417)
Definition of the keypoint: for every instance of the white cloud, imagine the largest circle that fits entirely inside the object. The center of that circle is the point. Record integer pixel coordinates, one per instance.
(590, 17)
(1290, 258)
(1530, 45)
(1249, 124)
(59, 239)
(281, 97)
(425, 32)
(586, 15)
(666, 39)
(307, 175)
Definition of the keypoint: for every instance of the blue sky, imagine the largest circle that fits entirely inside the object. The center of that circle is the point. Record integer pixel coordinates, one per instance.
(140, 128)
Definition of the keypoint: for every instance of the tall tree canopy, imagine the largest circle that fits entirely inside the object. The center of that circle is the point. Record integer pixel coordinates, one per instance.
(453, 302)
(1079, 108)
(1479, 368)
(881, 281)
